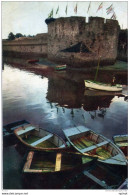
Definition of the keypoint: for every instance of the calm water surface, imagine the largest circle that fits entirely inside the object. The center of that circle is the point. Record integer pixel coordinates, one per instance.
(55, 103)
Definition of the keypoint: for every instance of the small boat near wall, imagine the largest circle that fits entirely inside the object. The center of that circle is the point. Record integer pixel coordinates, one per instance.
(60, 67)
(102, 86)
(90, 143)
(45, 163)
(39, 139)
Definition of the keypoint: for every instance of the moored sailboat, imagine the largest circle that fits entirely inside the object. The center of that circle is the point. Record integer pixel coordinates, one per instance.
(103, 86)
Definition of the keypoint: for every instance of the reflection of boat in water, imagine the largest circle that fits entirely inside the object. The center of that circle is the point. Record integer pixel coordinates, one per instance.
(90, 143)
(102, 86)
(50, 163)
(39, 139)
(122, 142)
(95, 102)
(91, 92)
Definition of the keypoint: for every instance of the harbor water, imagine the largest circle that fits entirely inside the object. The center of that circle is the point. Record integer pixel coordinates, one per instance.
(55, 102)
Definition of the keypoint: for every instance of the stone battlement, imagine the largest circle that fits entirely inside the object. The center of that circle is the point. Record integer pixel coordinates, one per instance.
(74, 41)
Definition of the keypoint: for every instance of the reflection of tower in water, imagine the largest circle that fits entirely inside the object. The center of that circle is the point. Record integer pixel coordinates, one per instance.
(65, 93)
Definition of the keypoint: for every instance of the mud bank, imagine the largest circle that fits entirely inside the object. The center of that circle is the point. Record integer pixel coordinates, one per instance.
(45, 67)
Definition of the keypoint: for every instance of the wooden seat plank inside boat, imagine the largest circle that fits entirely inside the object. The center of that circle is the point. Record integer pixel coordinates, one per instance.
(120, 138)
(94, 146)
(41, 140)
(18, 126)
(86, 145)
(88, 149)
(62, 146)
(102, 143)
(27, 129)
(30, 139)
(122, 144)
(58, 162)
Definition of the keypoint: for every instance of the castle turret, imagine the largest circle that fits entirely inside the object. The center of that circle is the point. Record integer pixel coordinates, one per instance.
(97, 37)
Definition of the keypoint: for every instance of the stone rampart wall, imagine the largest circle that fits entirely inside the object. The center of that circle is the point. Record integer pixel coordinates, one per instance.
(36, 45)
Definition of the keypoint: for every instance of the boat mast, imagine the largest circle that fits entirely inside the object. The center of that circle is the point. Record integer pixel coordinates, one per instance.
(99, 57)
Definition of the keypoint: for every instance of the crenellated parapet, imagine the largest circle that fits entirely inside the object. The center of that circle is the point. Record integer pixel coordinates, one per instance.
(97, 38)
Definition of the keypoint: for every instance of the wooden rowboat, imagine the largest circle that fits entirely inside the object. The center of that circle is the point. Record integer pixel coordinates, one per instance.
(102, 86)
(8, 131)
(9, 128)
(39, 139)
(122, 142)
(42, 163)
(90, 143)
(60, 67)
(107, 177)
(97, 176)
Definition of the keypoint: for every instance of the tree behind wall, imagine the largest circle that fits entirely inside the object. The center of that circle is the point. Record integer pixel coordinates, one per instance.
(11, 36)
(18, 35)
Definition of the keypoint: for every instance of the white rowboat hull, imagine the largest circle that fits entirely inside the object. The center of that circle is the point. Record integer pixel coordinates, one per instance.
(102, 86)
